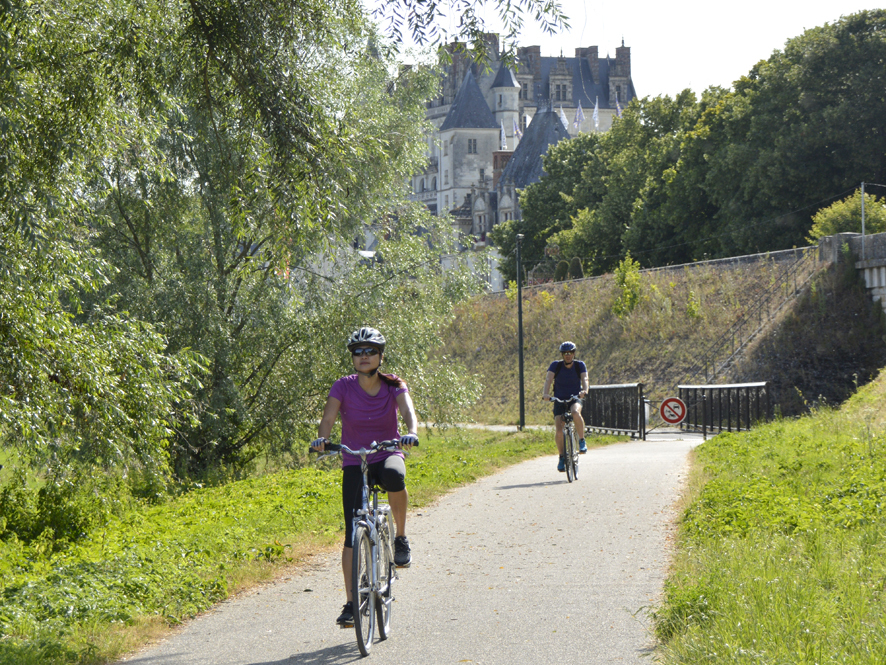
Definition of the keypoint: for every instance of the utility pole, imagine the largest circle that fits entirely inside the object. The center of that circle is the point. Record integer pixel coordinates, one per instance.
(862, 221)
(522, 423)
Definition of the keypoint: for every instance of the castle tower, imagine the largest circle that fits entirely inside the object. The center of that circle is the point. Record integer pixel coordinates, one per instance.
(506, 104)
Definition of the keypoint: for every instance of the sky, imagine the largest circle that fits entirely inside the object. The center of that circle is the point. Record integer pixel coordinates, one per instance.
(685, 43)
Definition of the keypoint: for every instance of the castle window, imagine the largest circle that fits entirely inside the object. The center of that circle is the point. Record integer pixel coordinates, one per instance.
(618, 93)
(434, 183)
(422, 184)
(525, 91)
(472, 146)
(558, 93)
(482, 175)
(499, 101)
(446, 177)
(445, 148)
(446, 204)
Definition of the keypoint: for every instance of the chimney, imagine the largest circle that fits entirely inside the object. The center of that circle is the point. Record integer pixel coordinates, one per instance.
(592, 55)
(531, 55)
(623, 60)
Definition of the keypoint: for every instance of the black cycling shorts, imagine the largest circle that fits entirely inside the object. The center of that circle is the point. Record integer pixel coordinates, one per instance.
(560, 408)
(389, 474)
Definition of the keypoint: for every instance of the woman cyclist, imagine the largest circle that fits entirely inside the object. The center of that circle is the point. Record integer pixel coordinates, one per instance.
(368, 402)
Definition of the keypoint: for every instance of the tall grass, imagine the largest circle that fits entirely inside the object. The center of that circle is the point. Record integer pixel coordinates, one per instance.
(782, 550)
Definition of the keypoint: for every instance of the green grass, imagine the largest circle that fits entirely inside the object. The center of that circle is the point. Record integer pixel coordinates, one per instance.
(158, 565)
(782, 550)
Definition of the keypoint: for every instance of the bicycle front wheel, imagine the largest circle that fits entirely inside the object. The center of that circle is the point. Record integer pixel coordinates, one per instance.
(361, 585)
(385, 601)
(569, 449)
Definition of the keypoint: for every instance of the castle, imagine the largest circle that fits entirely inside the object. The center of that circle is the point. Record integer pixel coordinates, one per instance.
(493, 125)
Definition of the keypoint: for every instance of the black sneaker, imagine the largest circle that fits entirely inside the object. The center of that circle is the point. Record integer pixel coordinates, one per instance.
(402, 553)
(346, 618)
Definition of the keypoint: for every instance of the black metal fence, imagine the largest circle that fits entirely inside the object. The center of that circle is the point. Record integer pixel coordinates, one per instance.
(726, 408)
(616, 409)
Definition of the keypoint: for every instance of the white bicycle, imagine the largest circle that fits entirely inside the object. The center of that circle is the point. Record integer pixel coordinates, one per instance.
(373, 568)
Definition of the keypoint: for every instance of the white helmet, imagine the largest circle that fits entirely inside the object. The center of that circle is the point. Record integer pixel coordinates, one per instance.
(366, 337)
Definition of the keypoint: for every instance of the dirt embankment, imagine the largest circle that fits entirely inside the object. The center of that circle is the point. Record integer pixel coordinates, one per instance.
(821, 346)
(831, 340)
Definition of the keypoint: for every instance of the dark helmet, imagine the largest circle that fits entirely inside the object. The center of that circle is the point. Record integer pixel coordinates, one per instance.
(366, 337)
(566, 347)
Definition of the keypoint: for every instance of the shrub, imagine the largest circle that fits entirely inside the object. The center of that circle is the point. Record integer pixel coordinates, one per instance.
(575, 269)
(627, 278)
(561, 272)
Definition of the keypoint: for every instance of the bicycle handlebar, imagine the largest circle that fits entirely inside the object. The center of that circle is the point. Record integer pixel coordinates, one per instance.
(374, 447)
(565, 401)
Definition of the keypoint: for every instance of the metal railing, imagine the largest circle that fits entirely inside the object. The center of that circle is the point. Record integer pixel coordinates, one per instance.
(788, 284)
(726, 407)
(616, 409)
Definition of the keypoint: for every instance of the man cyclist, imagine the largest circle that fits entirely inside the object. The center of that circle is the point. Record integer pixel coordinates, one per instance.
(570, 377)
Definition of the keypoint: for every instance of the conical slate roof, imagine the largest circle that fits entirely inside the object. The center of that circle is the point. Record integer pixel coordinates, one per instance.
(469, 110)
(505, 79)
(525, 167)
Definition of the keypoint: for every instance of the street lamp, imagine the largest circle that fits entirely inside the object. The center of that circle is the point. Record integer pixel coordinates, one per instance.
(522, 423)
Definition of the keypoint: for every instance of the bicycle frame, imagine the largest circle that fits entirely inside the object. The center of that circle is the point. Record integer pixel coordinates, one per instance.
(371, 515)
(569, 452)
(370, 519)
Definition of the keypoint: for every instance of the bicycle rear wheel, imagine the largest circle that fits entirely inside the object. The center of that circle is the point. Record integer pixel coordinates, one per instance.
(569, 450)
(364, 596)
(385, 600)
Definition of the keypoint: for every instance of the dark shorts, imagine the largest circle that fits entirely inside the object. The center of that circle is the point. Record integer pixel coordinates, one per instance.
(389, 474)
(560, 408)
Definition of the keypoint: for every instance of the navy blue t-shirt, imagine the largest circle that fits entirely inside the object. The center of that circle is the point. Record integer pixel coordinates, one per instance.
(568, 382)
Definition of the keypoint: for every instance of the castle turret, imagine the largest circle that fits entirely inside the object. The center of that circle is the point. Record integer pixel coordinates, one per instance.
(506, 104)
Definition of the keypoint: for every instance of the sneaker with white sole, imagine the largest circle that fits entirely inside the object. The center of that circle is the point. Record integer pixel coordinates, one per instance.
(402, 553)
(582, 446)
(346, 618)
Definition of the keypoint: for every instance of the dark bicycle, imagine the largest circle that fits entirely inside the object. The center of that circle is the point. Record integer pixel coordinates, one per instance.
(373, 569)
(570, 447)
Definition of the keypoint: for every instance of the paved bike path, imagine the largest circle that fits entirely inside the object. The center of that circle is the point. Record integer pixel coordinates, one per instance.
(520, 567)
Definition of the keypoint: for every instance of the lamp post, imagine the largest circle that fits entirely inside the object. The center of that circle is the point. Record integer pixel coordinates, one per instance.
(522, 423)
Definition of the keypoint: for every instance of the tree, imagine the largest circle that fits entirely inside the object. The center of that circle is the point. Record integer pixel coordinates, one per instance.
(422, 19)
(735, 172)
(845, 216)
(78, 390)
(168, 168)
(800, 129)
(547, 206)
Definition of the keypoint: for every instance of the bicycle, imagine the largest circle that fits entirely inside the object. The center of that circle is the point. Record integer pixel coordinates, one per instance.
(570, 450)
(373, 571)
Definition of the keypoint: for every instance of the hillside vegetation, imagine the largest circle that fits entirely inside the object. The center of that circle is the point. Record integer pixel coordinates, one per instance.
(824, 343)
(781, 554)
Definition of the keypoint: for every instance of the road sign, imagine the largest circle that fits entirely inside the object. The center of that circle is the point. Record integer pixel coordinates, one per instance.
(672, 410)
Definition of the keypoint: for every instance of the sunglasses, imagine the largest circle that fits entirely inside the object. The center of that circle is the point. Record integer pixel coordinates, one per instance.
(364, 352)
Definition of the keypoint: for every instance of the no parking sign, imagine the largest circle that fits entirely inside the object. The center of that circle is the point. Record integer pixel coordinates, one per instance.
(673, 410)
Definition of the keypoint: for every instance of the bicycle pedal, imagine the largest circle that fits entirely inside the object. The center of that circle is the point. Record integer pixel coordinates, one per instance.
(346, 625)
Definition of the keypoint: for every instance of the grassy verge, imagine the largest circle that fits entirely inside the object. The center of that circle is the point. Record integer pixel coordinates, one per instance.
(151, 567)
(782, 552)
